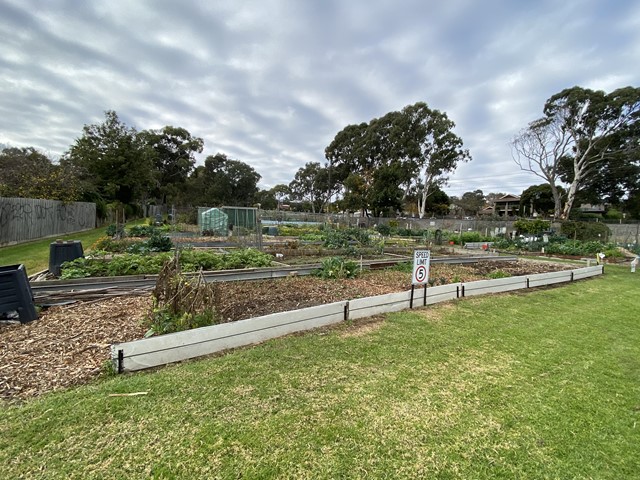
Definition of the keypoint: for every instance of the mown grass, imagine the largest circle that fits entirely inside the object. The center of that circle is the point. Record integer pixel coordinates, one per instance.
(542, 384)
(35, 255)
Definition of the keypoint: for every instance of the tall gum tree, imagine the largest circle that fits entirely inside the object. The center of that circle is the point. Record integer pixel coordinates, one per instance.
(434, 148)
(539, 149)
(112, 158)
(172, 152)
(586, 127)
(418, 143)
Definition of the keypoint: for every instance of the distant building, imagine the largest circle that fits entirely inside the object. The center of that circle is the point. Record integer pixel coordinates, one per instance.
(588, 208)
(506, 206)
(486, 211)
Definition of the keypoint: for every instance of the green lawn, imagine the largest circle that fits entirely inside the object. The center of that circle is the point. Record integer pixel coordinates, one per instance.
(542, 384)
(35, 255)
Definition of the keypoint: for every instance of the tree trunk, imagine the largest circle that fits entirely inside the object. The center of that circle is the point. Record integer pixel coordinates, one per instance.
(579, 168)
(422, 202)
(557, 200)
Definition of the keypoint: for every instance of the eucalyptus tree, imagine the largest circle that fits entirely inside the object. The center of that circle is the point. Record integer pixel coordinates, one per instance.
(111, 157)
(433, 147)
(311, 184)
(171, 151)
(228, 182)
(416, 145)
(471, 202)
(585, 127)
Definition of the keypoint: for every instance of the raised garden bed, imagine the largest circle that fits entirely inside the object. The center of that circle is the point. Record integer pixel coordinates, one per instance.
(70, 345)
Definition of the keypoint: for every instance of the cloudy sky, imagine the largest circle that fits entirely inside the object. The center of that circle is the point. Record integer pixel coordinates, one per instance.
(270, 82)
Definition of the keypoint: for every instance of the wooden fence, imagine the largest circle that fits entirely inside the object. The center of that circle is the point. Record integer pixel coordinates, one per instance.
(155, 351)
(25, 219)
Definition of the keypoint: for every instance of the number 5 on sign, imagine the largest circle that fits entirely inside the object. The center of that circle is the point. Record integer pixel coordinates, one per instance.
(421, 262)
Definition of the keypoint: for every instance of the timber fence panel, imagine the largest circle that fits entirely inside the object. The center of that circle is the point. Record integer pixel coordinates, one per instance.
(542, 279)
(390, 302)
(155, 351)
(26, 219)
(498, 285)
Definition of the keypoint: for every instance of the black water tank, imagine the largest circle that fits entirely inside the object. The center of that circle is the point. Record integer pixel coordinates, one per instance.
(15, 293)
(60, 252)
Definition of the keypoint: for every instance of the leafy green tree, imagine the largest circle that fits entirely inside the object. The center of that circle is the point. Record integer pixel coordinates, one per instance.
(538, 199)
(171, 151)
(111, 158)
(438, 201)
(27, 173)
(531, 226)
(613, 180)
(586, 231)
(435, 149)
(273, 198)
(355, 195)
(471, 202)
(228, 182)
(266, 199)
(600, 127)
(385, 196)
(418, 141)
(311, 184)
(632, 205)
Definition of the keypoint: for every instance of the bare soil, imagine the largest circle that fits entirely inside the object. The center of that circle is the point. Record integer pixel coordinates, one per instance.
(70, 345)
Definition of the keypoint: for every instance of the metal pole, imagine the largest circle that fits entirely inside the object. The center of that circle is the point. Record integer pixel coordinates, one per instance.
(413, 287)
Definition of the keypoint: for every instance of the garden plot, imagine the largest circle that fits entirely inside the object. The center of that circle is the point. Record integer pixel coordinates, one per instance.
(71, 345)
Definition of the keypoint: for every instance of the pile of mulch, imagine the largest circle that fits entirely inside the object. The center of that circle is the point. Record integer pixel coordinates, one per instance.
(70, 345)
(67, 345)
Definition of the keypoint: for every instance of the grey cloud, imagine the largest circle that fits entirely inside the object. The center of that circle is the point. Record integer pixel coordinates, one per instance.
(271, 82)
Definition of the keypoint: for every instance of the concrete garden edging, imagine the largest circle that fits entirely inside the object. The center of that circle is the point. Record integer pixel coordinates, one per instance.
(175, 347)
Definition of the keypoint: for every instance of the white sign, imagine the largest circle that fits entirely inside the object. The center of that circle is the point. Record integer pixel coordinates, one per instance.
(421, 262)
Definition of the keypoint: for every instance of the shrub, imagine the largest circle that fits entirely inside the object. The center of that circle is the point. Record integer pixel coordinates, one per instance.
(504, 244)
(468, 237)
(384, 230)
(159, 243)
(141, 231)
(297, 230)
(337, 267)
(406, 267)
(335, 239)
(190, 217)
(498, 274)
(613, 214)
(531, 226)
(312, 237)
(585, 230)
(115, 230)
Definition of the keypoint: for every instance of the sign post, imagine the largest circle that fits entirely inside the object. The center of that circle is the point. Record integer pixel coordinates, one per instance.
(420, 275)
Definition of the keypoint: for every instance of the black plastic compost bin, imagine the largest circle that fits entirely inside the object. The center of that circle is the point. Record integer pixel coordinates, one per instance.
(60, 252)
(15, 293)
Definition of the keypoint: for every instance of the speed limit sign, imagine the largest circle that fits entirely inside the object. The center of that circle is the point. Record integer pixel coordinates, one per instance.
(421, 262)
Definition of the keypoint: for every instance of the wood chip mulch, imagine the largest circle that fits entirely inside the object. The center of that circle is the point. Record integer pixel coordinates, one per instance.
(67, 345)
(70, 345)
